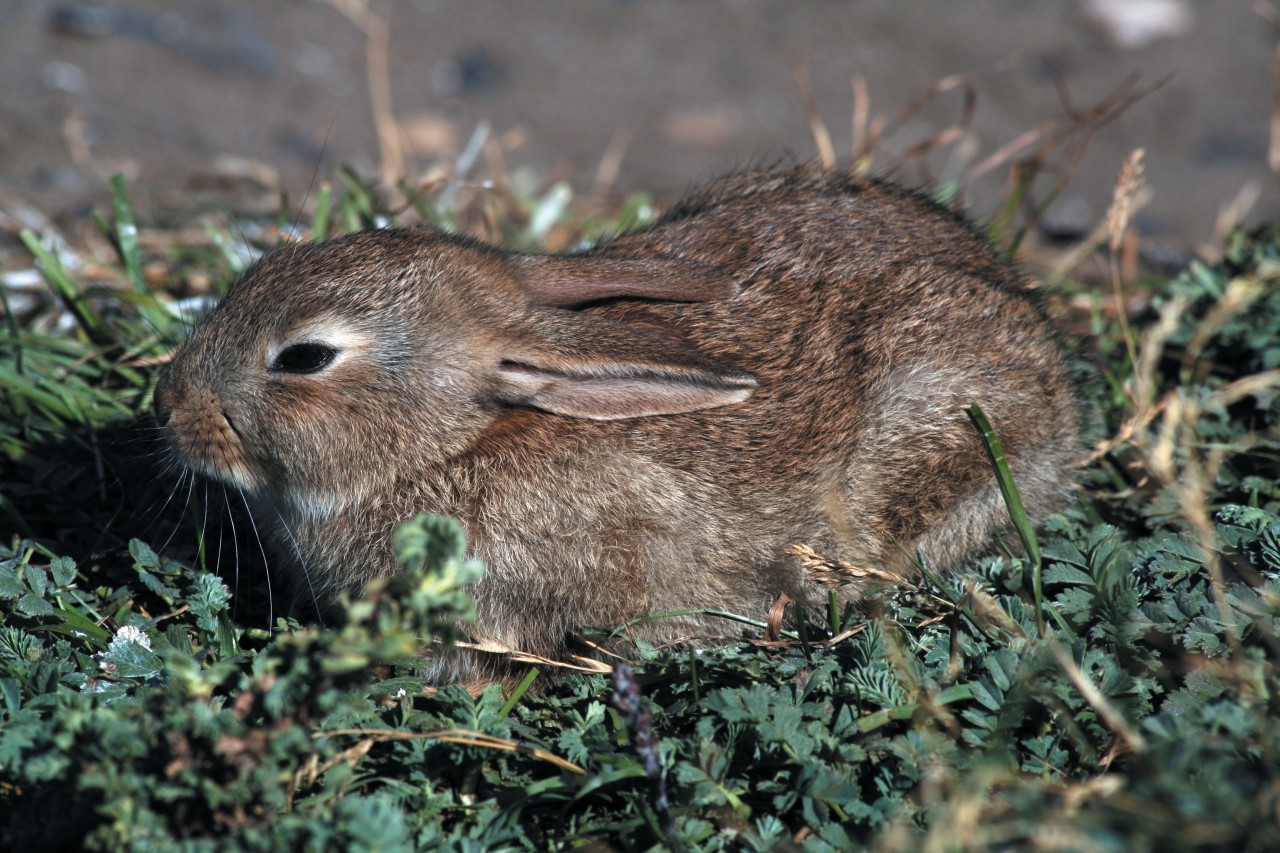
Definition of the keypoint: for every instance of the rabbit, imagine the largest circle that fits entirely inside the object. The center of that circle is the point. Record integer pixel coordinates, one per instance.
(644, 427)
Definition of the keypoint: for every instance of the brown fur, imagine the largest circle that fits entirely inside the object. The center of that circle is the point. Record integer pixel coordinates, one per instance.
(614, 453)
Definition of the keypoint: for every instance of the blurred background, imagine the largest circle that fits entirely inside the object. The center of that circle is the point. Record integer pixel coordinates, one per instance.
(234, 104)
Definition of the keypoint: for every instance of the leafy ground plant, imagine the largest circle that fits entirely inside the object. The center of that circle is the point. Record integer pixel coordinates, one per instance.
(1119, 693)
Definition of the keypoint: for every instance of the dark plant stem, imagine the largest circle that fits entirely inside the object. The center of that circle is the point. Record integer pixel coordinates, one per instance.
(629, 702)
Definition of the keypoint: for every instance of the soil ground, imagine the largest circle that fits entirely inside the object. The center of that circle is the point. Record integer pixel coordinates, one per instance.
(179, 96)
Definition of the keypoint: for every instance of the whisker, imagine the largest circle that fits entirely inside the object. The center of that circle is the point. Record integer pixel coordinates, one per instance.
(302, 566)
(157, 515)
(235, 537)
(324, 145)
(204, 534)
(186, 505)
(271, 599)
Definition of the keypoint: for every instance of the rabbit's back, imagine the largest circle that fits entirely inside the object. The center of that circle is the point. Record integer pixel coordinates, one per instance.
(871, 318)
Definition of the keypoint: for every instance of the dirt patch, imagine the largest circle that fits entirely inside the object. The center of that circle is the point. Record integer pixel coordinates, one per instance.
(682, 91)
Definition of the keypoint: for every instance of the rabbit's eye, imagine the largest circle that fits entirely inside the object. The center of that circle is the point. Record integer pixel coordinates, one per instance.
(304, 358)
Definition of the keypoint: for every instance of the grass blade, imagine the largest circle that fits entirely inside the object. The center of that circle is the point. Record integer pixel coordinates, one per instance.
(1013, 501)
(518, 692)
(320, 223)
(65, 289)
(126, 234)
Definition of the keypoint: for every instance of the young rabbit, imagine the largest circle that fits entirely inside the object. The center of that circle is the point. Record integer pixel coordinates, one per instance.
(784, 357)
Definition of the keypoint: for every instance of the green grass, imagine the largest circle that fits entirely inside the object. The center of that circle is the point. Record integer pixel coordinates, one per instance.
(1116, 689)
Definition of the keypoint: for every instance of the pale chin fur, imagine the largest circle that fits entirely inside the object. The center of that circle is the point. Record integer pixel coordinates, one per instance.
(309, 507)
(299, 506)
(236, 475)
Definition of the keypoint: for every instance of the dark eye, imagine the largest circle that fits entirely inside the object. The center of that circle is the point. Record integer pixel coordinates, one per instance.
(304, 358)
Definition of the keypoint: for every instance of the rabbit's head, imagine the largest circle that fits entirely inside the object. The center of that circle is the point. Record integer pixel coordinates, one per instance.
(331, 367)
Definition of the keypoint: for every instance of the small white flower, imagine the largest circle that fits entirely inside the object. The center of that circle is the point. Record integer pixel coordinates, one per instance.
(130, 634)
(401, 693)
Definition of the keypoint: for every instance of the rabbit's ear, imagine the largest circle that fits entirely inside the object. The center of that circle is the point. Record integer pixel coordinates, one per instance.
(568, 281)
(591, 367)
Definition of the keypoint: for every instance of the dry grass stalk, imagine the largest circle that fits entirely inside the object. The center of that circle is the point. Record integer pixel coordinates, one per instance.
(1011, 149)
(584, 664)
(1273, 150)
(837, 573)
(773, 623)
(1192, 485)
(1129, 197)
(946, 84)
(1073, 135)
(1171, 452)
(869, 133)
(1145, 386)
(311, 770)
(1258, 383)
(1230, 216)
(391, 138)
(866, 131)
(466, 737)
(1146, 380)
(834, 574)
(1132, 738)
(952, 133)
(610, 164)
(1239, 295)
(1075, 130)
(988, 612)
(821, 135)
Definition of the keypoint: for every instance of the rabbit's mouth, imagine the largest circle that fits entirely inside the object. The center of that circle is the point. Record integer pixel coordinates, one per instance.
(206, 440)
(225, 467)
